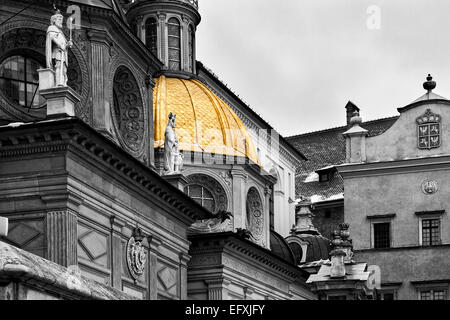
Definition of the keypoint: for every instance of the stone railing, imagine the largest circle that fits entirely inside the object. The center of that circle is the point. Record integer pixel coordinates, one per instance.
(191, 2)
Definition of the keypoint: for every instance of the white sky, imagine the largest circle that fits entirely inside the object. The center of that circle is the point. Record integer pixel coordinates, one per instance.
(297, 63)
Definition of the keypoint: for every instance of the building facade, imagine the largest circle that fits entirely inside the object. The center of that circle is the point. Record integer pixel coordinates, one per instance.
(396, 198)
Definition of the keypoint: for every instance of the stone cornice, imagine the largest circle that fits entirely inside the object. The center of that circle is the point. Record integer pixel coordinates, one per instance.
(62, 134)
(394, 167)
(229, 241)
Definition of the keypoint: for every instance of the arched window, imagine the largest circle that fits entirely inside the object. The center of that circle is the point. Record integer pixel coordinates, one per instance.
(207, 191)
(191, 48)
(151, 35)
(19, 80)
(174, 44)
(202, 195)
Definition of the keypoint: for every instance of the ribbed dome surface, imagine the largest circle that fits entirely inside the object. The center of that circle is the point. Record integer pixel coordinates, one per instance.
(204, 122)
(280, 247)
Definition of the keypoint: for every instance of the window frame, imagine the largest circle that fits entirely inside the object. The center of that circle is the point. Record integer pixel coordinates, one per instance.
(382, 219)
(146, 27)
(430, 215)
(432, 287)
(202, 198)
(180, 43)
(25, 56)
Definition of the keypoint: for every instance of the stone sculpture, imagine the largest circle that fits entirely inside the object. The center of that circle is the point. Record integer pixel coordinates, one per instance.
(173, 159)
(56, 49)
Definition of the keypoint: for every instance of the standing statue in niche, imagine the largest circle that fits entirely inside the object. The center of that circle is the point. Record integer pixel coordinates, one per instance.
(173, 160)
(56, 49)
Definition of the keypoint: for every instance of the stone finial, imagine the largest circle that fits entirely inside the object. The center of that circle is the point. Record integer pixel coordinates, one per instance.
(356, 119)
(342, 242)
(429, 85)
(303, 219)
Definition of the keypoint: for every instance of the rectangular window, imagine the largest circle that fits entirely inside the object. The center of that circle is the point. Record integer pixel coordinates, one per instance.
(431, 232)
(382, 235)
(388, 296)
(433, 295)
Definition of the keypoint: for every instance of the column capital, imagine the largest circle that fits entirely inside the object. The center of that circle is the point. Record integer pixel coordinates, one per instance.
(184, 258)
(99, 36)
(117, 224)
(153, 242)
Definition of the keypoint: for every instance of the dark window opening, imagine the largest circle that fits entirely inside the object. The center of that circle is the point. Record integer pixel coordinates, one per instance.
(202, 195)
(382, 235)
(174, 39)
(19, 81)
(151, 35)
(324, 177)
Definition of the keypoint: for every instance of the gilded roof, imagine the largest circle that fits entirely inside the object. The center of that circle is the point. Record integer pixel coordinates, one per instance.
(205, 123)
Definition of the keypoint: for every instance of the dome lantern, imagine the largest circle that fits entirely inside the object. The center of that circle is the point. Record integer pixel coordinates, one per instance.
(167, 28)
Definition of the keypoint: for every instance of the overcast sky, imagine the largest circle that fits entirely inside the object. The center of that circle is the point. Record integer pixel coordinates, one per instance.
(297, 63)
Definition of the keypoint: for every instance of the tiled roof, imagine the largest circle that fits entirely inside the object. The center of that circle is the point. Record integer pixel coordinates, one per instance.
(327, 148)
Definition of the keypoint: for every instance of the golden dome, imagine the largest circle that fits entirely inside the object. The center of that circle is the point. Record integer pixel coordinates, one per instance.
(204, 122)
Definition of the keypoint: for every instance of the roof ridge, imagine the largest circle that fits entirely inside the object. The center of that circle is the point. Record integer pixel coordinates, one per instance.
(337, 128)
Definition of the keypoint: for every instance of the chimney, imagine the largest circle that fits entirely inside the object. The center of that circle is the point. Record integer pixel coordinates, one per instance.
(355, 140)
(351, 109)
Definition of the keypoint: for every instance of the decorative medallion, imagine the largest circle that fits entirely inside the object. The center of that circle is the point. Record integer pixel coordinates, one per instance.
(255, 217)
(136, 254)
(429, 131)
(429, 187)
(128, 109)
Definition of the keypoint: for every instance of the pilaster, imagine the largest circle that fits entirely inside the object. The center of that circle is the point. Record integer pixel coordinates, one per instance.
(140, 26)
(215, 289)
(61, 227)
(100, 44)
(162, 35)
(154, 244)
(116, 252)
(185, 44)
(184, 259)
(62, 237)
(239, 177)
(150, 83)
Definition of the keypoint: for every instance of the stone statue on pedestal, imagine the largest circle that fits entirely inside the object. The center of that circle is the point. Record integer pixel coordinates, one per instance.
(173, 160)
(56, 49)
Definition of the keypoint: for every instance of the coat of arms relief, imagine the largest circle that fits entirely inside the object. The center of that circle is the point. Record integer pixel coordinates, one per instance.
(429, 131)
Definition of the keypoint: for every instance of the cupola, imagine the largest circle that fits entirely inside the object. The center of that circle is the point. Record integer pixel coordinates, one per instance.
(167, 28)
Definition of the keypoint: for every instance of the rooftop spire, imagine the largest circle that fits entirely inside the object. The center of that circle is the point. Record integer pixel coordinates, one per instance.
(429, 85)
